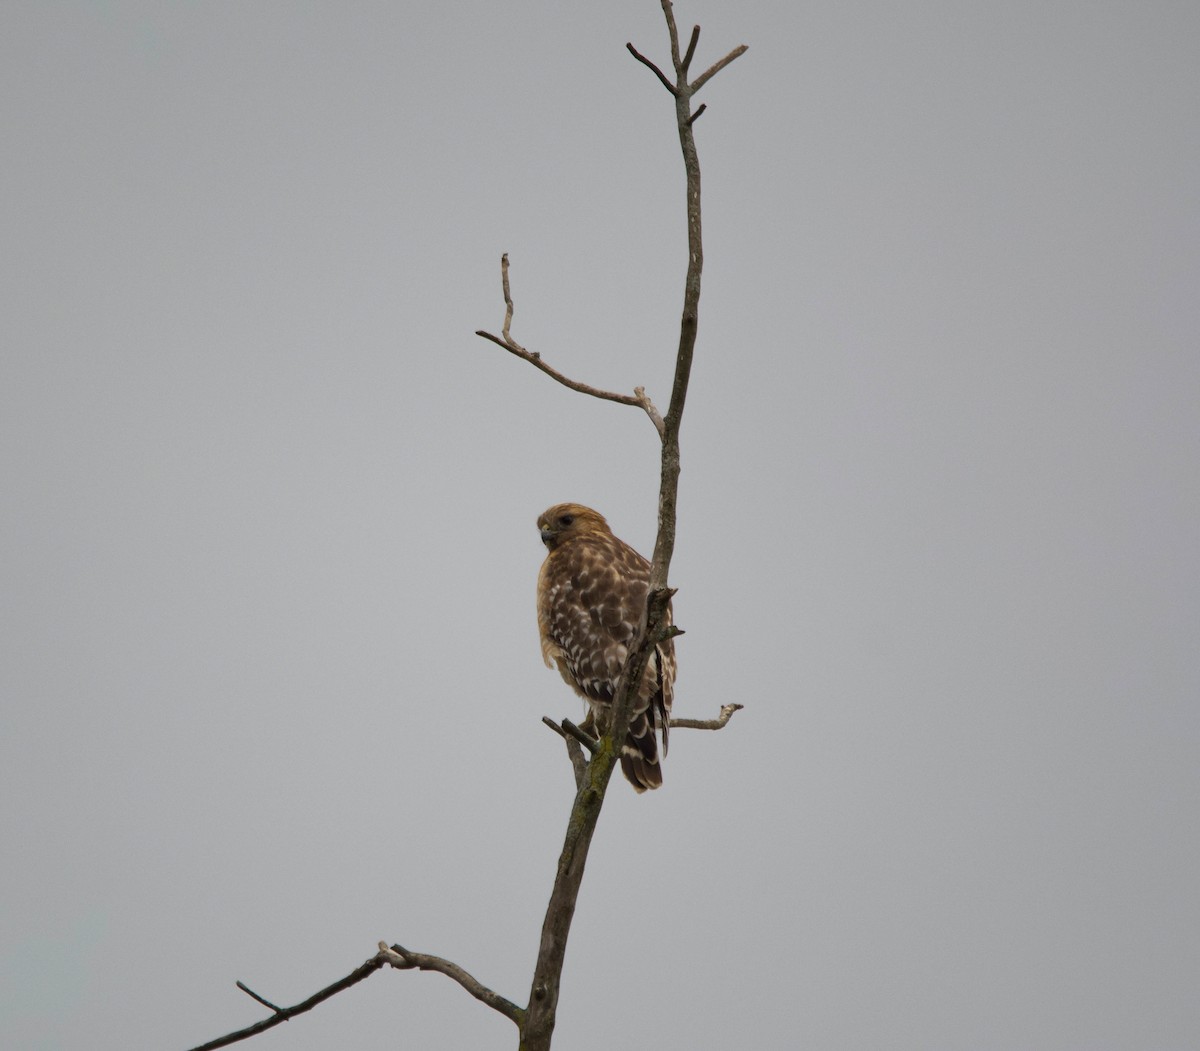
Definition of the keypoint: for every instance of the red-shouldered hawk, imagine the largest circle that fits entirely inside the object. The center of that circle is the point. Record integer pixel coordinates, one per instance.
(591, 598)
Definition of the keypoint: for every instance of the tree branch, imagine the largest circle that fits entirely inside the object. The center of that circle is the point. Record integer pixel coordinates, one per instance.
(691, 48)
(254, 996)
(719, 723)
(716, 68)
(397, 956)
(571, 731)
(508, 303)
(583, 388)
(638, 398)
(403, 960)
(650, 65)
(282, 1014)
(574, 737)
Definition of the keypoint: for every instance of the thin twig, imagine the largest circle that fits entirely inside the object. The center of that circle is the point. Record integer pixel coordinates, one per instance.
(574, 752)
(638, 399)
(403, 959)
(282, 1014)
(650, 65)
(508, 303)
(590, 743)
(536, 359)
(672, 33)
(567, 729)
(716, 68)
(699, 109)
(719, 723)
(396, 956)
(254, 996)
(691, 48)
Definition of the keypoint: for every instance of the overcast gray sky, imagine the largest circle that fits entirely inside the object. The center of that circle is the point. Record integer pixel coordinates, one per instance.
(271, 683)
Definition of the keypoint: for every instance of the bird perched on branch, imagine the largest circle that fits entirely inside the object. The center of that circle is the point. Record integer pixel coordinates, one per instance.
(591, 598)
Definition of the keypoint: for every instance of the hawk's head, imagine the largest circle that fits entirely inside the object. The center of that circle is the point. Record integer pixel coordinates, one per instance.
(564, 521)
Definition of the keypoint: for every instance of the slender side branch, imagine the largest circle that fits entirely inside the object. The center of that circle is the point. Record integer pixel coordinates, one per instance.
(579, 764)
(719, 723)
(254, 996)
(395, 955)
(403, 960)
(673, 34)
(508, 303)
(650, 65)
(567, 729)
(574, 731)
(282, 1014)
(637, 399)
(716, 68)
(535, 358)
(691, 48)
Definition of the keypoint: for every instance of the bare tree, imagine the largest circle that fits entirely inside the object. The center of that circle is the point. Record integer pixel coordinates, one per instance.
(535, 1022)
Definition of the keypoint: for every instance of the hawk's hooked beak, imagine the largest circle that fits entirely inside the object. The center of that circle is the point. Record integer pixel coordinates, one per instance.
(546, 536)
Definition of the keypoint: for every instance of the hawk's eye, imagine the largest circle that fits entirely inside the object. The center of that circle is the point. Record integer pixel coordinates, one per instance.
(566, 520)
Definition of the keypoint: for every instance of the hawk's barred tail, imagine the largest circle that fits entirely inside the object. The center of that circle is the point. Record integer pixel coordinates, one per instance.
(639, 755)
(663, 688)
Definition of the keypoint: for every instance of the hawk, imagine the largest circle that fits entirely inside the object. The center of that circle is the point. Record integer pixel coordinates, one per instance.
(591, 600)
